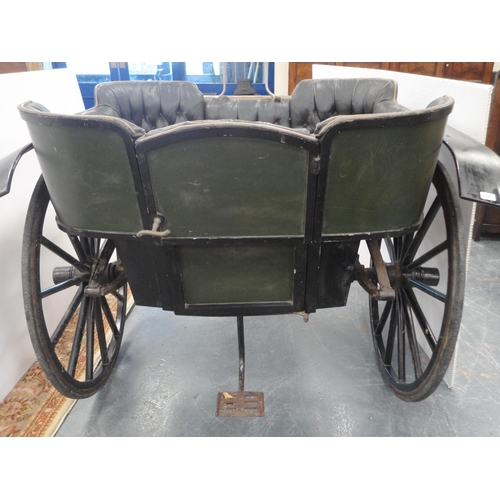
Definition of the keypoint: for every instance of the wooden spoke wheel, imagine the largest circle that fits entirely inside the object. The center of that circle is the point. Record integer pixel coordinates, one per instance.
(75, 294)
(415, 334)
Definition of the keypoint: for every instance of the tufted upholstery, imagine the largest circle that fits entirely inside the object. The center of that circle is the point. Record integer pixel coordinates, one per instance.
(151, 104)
(276, 112)
(314, 101)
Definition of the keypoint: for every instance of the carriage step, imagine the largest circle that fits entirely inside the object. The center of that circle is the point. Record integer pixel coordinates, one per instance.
(240, 404)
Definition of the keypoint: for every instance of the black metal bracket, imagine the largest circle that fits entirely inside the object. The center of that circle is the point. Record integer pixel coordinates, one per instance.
(96, 288)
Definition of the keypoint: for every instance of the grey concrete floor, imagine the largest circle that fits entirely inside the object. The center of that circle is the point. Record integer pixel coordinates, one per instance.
(319, 378)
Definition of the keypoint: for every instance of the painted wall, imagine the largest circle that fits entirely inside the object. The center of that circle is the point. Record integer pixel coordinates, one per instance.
(281, 78)
(58, 91)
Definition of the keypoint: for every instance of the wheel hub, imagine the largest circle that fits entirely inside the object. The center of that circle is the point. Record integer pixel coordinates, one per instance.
(398, 274)
(65, 273)
(112, 272)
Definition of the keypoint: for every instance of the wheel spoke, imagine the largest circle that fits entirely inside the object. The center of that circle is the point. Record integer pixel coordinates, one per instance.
(118, 296)
(107, 250)
(86, 246)
(70, 311)
(96, 244)
(412, 338)
(47, 292)
(428, 255)
(80, 252)
(398, 246)
(401, 340)
(390, 249)
(77, 341)
(422, 320)
(407, 241)
(432, 292)
(101, 335)
(62, 253)
(391, 336)
(109, 317)
(383, 319)
(422, 231)
(89, 361)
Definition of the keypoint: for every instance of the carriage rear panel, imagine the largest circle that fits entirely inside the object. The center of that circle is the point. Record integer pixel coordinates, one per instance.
(89, 166)
(378, 178)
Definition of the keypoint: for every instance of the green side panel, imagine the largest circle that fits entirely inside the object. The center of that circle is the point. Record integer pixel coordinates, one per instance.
(378, 179)
(230, 186)
(237, 274)
(88, 176)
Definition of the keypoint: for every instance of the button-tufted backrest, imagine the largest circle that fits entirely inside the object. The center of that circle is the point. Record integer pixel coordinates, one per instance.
(313, 101)
(252, 109)
(149, 104)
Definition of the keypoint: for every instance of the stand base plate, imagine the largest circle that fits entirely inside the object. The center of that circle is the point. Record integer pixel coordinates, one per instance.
(240, 404)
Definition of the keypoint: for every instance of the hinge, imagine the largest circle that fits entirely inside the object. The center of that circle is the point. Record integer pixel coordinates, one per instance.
(316, 165)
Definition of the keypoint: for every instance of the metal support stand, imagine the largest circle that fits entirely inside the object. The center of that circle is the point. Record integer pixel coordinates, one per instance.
(240, 403)
(241, 352)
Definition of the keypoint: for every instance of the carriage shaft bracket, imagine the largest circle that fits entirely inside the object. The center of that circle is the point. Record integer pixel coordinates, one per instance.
(384, 291)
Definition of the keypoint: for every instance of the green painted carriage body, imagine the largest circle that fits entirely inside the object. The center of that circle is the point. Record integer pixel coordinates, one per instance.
(265, 213)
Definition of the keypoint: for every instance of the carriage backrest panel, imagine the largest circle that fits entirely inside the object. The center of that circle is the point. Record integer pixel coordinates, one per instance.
(150, 104)
(378, 169)
(86, 163)
(190, 161)
(261, 109)
(314, 101)
(155, 104)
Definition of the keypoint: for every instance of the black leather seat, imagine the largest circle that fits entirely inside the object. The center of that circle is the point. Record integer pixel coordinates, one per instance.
(152, 105)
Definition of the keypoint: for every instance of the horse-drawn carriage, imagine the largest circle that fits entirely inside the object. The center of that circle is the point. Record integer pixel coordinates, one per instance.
(237, 206)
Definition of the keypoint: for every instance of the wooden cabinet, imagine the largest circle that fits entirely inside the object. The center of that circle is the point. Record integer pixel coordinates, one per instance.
(479, 72)
(12, 67)
(18, 67)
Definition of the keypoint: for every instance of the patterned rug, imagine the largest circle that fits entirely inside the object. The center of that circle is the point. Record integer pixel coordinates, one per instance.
(33, 408)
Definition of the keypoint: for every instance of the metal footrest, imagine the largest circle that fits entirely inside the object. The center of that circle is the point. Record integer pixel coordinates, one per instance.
(240, 404)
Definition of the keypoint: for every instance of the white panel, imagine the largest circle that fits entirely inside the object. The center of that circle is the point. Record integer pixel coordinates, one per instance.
(58, 91)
